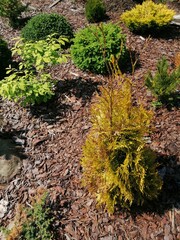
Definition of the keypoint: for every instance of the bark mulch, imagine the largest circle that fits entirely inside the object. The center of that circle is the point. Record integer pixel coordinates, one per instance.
(52, 136)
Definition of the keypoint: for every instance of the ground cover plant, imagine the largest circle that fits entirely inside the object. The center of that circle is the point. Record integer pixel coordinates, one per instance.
(148, 17)
(32, 222)
(93, 46)
(44, 24)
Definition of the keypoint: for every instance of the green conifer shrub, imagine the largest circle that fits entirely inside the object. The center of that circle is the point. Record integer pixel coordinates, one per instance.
(12, 9)
(117, 166)
(94, 45)
(33, 223)
(95, 10)
(42, 25)
(164, 82)
(5, 57)
(148, 17)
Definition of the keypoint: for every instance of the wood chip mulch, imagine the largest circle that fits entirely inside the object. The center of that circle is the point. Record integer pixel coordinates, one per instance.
(55, 132)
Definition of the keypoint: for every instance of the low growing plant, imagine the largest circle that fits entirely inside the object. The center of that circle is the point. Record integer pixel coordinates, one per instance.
(30, 84)
(44, 24)
(95, 10)
(118, 168)
(164, 82)
(148, 17)
(32, 223)
(12, 9)
(94, 45)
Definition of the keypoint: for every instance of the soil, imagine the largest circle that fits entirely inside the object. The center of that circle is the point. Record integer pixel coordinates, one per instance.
(52, 136)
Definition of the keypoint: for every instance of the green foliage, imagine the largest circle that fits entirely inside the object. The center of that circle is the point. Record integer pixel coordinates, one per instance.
(148, 17)
(163, 83)
(29, 84)
(95, 10)
(94, 45)
(41, 53)
(27, 88)
(5, 57)
(32, 223)
(117, 167)
(12, 9)
(42, 25)
(37, 225)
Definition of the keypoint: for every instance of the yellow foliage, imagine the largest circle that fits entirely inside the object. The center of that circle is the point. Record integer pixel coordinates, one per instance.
(147, 16)
(177, 60)
(117, 167)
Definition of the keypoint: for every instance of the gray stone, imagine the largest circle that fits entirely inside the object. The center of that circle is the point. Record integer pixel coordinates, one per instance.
(10, 160)
(176, 20)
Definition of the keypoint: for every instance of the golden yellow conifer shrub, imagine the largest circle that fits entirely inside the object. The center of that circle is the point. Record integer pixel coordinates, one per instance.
(148, 17)
(118, 168)
(177, 60)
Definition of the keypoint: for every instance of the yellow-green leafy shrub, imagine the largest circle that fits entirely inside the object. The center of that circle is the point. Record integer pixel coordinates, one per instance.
(117, 166)
(147, 17)
(30, 83)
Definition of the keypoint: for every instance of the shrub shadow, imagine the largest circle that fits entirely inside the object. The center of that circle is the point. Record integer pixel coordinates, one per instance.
(132, 58)
(67, 93)
(169, 170)
(169, 32)
(172, 101)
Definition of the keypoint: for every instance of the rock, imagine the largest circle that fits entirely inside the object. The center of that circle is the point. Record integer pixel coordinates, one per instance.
(176, 20)
(3, 207)
(106, 238)
(18, 141)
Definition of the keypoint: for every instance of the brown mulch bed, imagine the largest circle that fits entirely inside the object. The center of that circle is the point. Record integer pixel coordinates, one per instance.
(55, 132)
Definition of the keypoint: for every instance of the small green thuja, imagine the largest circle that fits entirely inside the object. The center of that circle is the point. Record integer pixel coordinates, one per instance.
(30, 84)
(95, 10)
(33, 223)
(163, 83)
(37, 225)
(118, 168)
(94, 45)
(12, 9)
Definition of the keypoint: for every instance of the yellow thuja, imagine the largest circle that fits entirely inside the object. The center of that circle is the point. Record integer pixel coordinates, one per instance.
(147, 16)
(177, 60)
(117, 167)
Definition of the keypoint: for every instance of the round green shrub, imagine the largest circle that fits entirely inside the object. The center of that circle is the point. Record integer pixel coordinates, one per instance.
(95, 10)
(5, 57)
(94, 46)
(148, 17)
(42, 25)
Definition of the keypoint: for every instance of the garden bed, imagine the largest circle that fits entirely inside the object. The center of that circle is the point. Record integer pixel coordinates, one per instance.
(55, 132)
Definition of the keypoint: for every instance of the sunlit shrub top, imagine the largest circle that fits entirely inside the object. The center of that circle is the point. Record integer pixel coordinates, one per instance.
(94, 45)
(148, 16)
(42, 25)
